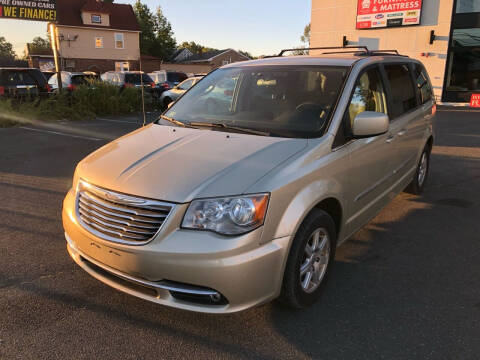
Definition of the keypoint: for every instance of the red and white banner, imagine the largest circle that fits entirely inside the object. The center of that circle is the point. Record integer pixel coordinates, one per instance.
(388, 13)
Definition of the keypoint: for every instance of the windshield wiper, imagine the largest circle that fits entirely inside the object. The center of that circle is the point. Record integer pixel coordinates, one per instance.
(229, 127)
(176, 122)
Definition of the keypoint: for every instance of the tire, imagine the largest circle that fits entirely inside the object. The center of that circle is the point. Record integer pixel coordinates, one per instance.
(421, 173)
(294, 293)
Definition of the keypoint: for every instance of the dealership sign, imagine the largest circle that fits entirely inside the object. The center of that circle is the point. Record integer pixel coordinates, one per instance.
(387, 13)
(39, 10)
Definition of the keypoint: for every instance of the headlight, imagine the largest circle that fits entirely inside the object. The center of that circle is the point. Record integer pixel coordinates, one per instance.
(229, 215)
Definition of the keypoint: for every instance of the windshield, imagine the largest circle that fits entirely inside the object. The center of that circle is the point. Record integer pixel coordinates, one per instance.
(176, 77)
(282, 101)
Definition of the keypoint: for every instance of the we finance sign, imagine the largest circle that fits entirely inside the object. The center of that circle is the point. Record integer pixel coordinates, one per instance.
(40, 10)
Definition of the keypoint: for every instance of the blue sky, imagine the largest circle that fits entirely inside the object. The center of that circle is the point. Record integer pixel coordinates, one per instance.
(258, 26)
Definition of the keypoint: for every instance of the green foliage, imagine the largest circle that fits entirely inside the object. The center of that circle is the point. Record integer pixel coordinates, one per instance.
(247, 54)
(195, 48)
(6, 49)
(156, 38)
(305, 38)
(85, 103)
(40, 45)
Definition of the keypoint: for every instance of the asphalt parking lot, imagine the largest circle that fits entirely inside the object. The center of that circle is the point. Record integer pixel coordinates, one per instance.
(405, 287)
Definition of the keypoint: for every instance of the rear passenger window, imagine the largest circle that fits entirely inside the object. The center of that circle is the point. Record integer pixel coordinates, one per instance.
(403, 95)
(423, 86)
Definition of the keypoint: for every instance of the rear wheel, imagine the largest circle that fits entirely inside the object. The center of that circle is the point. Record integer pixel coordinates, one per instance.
(418, 183)
(310, 261)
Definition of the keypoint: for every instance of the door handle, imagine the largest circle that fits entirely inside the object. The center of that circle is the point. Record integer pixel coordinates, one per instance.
(390, 138)
(402, 132)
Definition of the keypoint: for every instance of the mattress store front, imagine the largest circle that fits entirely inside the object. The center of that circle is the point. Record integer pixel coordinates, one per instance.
(443, 34)
(462, 78)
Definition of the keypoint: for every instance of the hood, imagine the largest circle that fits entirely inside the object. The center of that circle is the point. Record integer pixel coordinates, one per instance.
(179, 164)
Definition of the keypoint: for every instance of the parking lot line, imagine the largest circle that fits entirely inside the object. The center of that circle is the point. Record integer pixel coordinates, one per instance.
(62, 134)
(118, 121)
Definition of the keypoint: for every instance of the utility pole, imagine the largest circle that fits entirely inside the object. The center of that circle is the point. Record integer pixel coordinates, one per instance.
(54, 42)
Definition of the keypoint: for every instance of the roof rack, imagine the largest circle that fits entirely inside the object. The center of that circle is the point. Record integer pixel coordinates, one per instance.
(360, 51)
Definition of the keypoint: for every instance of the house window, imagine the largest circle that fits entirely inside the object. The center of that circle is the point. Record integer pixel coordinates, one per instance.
(69, 64)
(122, 66)
(96, 19)
(99, 42)
(225, 62)
(119, 43)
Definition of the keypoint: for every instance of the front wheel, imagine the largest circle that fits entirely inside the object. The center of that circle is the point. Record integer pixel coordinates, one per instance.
(310, 261)
(418, 183)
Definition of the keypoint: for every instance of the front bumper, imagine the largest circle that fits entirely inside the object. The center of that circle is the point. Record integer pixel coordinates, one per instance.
(236, 273)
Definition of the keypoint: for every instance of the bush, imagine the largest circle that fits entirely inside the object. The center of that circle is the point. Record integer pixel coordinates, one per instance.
(86, 102)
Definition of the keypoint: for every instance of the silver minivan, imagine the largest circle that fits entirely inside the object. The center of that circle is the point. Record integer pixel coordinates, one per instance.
(242, 190)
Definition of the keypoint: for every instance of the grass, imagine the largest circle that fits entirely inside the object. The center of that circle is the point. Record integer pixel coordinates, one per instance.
(86, 102)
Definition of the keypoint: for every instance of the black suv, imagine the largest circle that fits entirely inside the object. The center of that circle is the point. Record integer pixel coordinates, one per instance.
(22, 82)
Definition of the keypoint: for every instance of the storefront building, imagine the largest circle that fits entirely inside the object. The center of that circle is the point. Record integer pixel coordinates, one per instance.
(443, 34)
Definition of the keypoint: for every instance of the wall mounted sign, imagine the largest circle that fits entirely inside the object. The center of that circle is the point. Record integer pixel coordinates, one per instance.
(372, 14)
(39, 10)
(475, 100)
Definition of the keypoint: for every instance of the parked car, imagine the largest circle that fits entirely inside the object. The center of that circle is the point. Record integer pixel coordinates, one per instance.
(129, 79)
(22, 82)
(48, 74)
(173, 94)
(220, 209)
(70, 80)
(166, 80)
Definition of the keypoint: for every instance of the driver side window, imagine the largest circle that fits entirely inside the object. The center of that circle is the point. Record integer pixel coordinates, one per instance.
(368, 95)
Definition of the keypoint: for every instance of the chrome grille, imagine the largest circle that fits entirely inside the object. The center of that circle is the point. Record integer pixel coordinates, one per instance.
(118, 217)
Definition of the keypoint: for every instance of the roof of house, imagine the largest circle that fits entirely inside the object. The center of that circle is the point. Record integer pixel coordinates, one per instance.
(206, 56)
(122, 16)
(33, 51)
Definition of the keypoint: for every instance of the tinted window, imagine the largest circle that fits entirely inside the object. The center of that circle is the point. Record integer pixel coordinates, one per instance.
(403, 95)
(177, 77)
(368, 95)
(13, 78)
(290, 101)
(424, 89)
(135, 79)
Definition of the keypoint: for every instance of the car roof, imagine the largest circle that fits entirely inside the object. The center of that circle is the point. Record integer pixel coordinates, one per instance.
(18, 68)
(337, 59)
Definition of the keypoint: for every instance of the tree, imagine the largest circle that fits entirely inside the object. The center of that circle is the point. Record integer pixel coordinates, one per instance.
(6, 49)
(156, 36)
(195, 48)
(164, 34)
(39, 45)
(305, 38)
(146, 22)
(247, 54)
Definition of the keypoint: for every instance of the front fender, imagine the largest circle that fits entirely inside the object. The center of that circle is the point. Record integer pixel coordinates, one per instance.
(291, 211)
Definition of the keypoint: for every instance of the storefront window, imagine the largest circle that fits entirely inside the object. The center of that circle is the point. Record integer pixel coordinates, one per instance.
(464, 65)
(467, 6)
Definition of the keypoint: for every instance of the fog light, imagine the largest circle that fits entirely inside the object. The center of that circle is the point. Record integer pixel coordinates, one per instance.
(215, 297)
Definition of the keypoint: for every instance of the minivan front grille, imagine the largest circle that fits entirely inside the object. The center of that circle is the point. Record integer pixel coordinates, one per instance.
(118, 217)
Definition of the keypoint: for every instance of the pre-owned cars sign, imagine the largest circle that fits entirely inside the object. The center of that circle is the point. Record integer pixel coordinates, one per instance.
(39, 10)
(388, 13)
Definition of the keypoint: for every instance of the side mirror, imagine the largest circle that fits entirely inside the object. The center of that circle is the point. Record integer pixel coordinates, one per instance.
(370, 123)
